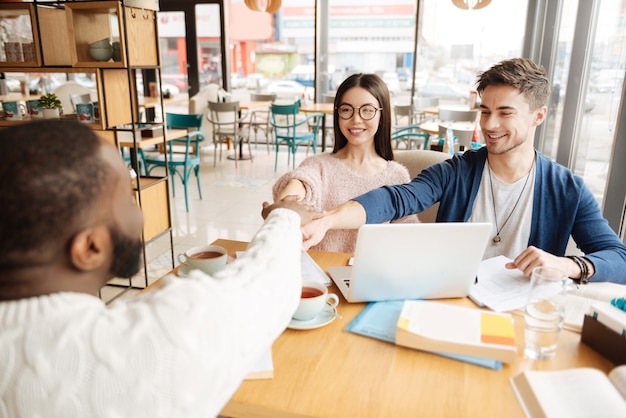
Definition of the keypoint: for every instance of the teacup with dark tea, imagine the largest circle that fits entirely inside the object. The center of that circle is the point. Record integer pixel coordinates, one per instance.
(208, 258)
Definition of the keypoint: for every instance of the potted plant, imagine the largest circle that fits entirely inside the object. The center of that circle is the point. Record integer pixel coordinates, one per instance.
(51, 106)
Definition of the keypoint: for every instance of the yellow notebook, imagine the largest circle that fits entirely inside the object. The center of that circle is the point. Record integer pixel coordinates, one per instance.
(440, 327)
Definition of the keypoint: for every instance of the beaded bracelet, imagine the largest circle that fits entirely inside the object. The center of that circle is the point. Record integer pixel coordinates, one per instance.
(584, 270)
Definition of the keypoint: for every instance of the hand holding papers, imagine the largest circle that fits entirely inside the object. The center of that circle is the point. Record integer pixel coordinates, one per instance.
(499, 288)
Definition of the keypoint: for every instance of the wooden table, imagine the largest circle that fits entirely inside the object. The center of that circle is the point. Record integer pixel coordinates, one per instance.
(326, 109)
(143, 142)
(432, 126)
(328, 372)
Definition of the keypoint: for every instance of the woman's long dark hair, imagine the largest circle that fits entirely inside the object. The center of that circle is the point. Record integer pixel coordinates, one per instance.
(377, 88)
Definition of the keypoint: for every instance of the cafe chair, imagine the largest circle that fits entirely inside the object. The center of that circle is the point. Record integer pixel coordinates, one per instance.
(293, 130)
(420, 104)
(415, 161)
(411, 137)
(227, 121)
(403, 116)
(260, 117)
(462, 137)
(188, 159)
(141, 159)
(454, 115)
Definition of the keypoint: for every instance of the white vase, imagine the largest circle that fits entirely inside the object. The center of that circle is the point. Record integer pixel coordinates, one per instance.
(51, 114)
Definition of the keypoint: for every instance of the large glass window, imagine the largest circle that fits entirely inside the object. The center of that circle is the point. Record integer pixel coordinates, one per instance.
(602, 98)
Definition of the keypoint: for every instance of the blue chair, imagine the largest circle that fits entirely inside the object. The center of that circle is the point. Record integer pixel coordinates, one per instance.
(293, 130)
(184, 160)
(409, 135)
(141, 160)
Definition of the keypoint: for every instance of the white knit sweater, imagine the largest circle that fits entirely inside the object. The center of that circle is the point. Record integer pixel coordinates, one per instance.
(179, 351)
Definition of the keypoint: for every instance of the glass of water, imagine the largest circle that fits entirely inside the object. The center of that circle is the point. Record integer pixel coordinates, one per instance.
(544, 312)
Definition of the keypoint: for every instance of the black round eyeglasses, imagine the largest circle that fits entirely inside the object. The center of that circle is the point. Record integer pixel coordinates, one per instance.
(366, 112)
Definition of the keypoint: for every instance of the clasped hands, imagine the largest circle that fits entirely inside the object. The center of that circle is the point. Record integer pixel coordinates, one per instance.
(307, 214)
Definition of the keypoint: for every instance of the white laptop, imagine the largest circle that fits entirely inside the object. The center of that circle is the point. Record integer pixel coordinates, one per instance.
(413, 261)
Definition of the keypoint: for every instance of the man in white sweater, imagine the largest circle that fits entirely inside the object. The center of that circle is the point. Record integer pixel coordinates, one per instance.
(69, 223)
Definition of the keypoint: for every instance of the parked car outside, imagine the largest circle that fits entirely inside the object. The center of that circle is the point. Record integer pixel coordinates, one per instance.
(290, 90)
(443, 91)
(256, 81)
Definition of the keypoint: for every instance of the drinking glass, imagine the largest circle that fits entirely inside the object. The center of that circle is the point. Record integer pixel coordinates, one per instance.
(544, 312)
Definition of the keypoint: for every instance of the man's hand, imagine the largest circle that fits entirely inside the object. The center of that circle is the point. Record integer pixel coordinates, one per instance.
(533, 257)
(307, 213)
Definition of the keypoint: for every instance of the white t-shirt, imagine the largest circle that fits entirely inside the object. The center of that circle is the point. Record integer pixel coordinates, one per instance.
(514, 232)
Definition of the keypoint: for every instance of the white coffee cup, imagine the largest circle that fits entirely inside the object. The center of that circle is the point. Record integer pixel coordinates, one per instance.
(313, 299)
(208, 258)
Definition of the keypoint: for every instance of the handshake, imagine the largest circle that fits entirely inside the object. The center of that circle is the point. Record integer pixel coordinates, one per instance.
(307, 213)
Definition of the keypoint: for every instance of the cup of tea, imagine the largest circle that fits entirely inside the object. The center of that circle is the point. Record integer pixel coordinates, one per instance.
(313, 300)
(208, 258)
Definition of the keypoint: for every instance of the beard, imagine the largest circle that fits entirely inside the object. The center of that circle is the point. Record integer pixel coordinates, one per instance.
(126, 254)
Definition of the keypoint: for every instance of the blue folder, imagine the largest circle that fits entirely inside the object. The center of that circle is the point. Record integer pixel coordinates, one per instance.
(379, 319)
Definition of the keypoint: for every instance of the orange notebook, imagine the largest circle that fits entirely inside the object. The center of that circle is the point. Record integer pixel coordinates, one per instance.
(444, 328)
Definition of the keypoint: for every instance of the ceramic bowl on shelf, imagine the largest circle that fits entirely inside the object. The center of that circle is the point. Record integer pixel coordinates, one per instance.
(101, 54)
(102, 43)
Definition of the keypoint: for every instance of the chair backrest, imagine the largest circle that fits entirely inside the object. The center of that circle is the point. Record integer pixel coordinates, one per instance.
(450, 115)
(403, 111)
(224, 116)
(192, 122)
(328, 98)
(422, 102)
(258, 97)
(284, 118)
(463, 136)
(415, 161)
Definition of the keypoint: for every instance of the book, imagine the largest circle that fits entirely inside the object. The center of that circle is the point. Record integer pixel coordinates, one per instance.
(609, 315)
(379, 320)
(581, 392)
(441, 327)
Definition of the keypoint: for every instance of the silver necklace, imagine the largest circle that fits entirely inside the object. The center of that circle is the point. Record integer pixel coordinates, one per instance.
(496, 239)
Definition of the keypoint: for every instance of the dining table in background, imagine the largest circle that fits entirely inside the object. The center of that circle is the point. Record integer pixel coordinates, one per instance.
(326, 109)
(330, 372)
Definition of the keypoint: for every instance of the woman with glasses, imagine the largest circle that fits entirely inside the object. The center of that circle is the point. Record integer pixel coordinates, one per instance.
(361, 160)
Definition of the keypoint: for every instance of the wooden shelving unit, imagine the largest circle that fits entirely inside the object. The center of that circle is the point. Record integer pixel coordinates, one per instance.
(60, 33)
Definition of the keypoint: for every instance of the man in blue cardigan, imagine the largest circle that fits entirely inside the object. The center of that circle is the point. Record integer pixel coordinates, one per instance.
(533, 203)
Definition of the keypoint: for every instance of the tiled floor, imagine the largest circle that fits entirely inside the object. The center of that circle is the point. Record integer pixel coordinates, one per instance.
(230, 208)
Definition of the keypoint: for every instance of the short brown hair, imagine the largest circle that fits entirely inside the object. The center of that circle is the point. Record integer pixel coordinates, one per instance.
(523, 74)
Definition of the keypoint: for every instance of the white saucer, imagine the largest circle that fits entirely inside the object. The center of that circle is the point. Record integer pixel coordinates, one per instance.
(184, 269)
(324, 318)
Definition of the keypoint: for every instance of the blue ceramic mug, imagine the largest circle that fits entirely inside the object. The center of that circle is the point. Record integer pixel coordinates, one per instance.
(84, 111)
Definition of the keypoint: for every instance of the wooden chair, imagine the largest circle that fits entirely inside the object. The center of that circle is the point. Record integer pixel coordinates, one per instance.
(226, 119)
(260, 118)
(292, 130)
(454, 115)
(183, 163)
